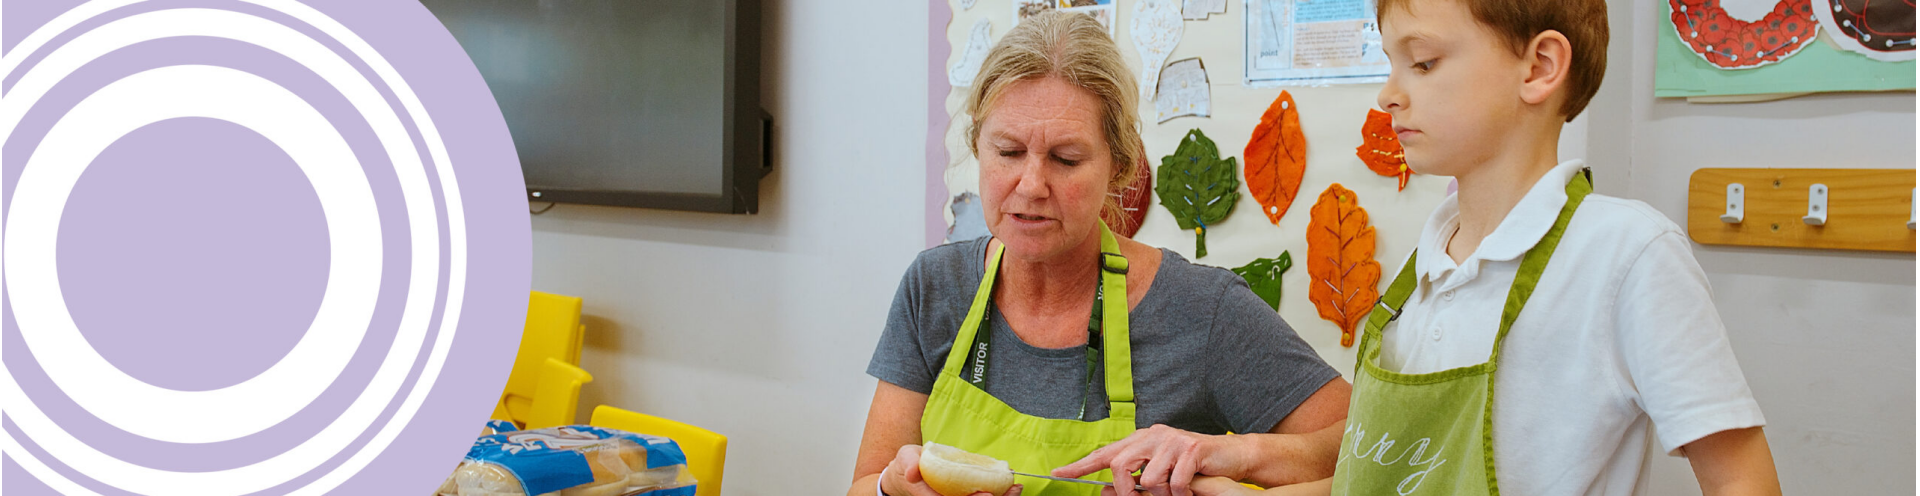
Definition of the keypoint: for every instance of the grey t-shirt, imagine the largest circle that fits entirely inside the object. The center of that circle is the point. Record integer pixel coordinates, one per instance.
(1208, 355)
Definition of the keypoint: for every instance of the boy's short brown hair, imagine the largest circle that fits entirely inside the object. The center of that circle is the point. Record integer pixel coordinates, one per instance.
(1583, 22)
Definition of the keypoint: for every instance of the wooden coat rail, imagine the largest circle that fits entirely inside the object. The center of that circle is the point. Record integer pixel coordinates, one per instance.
(1865, 209)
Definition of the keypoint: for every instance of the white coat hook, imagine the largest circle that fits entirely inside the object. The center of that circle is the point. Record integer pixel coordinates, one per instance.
(1816, 205)
(1736, 204)
(1911, 195)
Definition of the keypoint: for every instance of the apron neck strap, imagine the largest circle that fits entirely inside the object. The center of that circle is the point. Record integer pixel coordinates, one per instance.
(1116, 346)
(1115, 342)
(1387, 309)
(1535, 262)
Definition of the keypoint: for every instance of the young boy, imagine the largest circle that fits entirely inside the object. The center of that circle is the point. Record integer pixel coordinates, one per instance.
(1592, 309)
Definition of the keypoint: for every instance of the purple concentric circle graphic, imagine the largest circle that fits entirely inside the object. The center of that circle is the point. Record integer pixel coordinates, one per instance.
(249, 247)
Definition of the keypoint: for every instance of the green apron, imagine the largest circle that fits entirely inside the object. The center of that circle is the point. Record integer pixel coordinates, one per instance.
(963, 415)
(1433, 433)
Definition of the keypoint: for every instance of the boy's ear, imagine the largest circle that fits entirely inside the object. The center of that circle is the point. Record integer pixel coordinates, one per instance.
(1549, 56)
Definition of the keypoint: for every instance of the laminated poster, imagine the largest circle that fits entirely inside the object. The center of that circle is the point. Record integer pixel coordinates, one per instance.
(1312, 43)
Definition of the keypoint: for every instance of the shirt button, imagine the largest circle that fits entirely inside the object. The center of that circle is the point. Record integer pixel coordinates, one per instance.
(1436, 334)
(1448, 295)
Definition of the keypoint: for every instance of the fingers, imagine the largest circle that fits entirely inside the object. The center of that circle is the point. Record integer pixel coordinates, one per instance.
(1154, 476)
(905, 472)
(1014, 491)
(1093, 462)
(1215, 486)
(908, 463)
(1184, 470)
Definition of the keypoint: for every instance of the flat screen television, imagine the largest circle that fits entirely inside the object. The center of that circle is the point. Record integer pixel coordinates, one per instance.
(637, 103)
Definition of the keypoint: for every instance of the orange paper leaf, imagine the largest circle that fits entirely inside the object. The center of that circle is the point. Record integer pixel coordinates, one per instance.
(1277, 158)
(1380, 148)
(1340, 260)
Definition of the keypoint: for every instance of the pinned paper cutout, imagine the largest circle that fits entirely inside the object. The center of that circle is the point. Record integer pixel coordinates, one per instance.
(1340, 245)
(969, 220)
(1880, 30)
(1156, 30)
(1197, 186)
(1134, 201)
(978, 43)
(1380, 148)
(1263, 277)
(1277, 158)
(1198, 10)
(1184, 90)
(1101, 11)
(967, 4)
(1730, 43)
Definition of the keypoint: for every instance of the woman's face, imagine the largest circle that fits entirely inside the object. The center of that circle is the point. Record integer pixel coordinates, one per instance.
(1044, 168)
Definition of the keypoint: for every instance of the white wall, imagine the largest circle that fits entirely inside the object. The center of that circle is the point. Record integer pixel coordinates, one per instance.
(760, 327)
(1826, 338)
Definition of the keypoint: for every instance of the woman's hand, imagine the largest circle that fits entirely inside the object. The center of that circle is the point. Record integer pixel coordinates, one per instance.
(902, 476)
(1168, 460)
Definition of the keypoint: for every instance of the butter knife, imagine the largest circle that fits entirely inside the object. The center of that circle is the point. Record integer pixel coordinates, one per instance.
(1082, 481)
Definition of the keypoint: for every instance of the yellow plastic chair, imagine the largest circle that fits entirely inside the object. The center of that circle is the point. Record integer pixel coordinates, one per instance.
(706, 450)
(544, 388)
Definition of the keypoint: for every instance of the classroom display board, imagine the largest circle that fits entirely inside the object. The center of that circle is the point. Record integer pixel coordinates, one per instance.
(1267, 155)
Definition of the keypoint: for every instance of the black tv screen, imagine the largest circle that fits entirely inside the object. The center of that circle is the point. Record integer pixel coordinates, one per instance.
(640, 103)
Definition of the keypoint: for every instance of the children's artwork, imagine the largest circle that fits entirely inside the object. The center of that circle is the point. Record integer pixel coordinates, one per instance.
(1133, 202)
(978, 43)
(967, 4)
(1156, 30)
(1312, 42)
(1184, 90)
(1681, 71)
(1340, 261)
(1101, 10)
(969, 220)
(1730, 43)
(1277, 158)
(1380, 148)
(1198, 10)
(1263, 276)
(1197, 186)
(1881, 30)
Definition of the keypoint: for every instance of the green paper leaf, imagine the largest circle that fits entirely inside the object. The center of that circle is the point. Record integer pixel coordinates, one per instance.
(1263, 275)
(1198, 186)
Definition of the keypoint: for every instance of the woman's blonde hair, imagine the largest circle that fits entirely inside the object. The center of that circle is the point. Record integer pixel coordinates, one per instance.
(1076, 48)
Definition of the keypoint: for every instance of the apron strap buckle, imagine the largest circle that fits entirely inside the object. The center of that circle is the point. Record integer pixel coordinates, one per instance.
(1113, 262)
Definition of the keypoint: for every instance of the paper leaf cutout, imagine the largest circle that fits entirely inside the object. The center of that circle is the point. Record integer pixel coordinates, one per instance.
(1133, 202)
(1340, 260)
(1380, 148)
(1277, 158)
(1263, 276)
(1730, 43)
(1197, 186)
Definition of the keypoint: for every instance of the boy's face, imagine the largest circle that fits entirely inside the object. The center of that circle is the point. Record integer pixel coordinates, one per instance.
(1454, 92)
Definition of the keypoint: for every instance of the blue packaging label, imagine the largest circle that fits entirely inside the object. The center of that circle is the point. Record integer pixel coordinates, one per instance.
(547, 460)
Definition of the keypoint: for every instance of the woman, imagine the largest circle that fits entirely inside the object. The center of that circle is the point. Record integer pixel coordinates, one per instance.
(1056, 320)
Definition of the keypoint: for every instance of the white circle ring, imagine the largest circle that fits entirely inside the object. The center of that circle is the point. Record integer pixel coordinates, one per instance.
(346, 306)
(417, 312)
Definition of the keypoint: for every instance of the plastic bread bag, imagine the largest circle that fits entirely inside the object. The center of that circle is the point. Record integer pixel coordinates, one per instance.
(573, 461)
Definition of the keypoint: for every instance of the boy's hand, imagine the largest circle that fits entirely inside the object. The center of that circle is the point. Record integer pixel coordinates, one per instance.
(1219, 486)
(1168, 460)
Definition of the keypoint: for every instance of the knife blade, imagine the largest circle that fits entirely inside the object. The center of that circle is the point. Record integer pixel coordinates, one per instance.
(1081, 481)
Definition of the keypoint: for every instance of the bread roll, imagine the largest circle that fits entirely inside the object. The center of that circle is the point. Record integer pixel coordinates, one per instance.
(615, 488)
(955, 472)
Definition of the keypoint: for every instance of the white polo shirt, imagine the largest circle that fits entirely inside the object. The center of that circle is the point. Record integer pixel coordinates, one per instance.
(1621, 330)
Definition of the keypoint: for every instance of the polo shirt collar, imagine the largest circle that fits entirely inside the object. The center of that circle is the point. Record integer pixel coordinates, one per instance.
(1523, 227)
